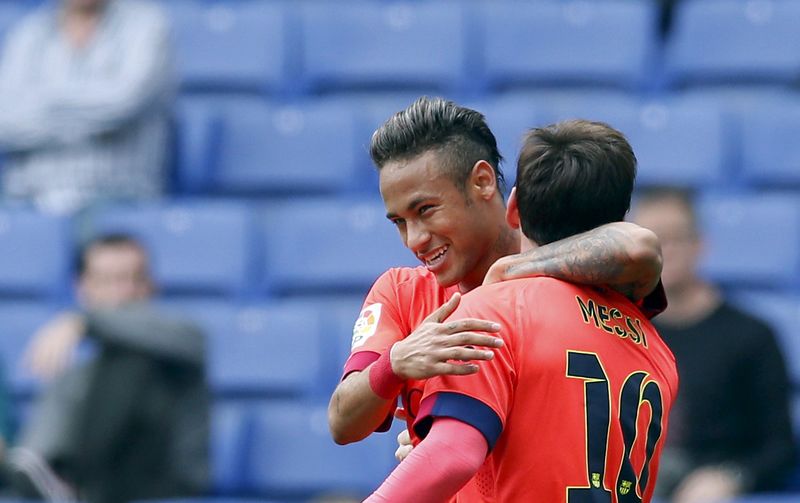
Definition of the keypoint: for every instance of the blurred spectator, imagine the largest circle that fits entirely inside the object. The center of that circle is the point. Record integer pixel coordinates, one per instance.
(132, 422)
(85, 92)
(730, 429)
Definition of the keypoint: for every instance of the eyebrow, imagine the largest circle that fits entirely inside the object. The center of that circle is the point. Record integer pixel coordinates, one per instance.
(413, 204)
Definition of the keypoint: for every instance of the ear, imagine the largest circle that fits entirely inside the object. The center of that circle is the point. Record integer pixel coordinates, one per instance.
(483, 180)
(512, 210)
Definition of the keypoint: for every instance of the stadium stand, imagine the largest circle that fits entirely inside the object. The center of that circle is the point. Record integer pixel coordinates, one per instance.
(258, 350)
(310, 463)
(369, 45)
(274, 230)
(554, 43)
(247, 146)
(35, 260)
(230, 46)
(751, 240)
(198, 246)
(328, 245)
(741, 41)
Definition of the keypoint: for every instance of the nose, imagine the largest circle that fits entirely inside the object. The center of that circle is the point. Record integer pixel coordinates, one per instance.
(417, 237)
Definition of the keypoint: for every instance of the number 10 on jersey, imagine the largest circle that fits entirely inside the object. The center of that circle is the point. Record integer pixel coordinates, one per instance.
(629, 486)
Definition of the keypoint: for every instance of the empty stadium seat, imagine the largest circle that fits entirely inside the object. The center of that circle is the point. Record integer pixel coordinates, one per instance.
(574, 42)
(230, 46)
(247, 146)
(329, 245)
(770, 151)
(258, 349)
(367, 44)
(293, 454)
(676, 142)
(197, 247)
(338, 316)
(35, 253)
(230, 436)
(18, 322)
(781, 311)
(714, 41)
(751, 239)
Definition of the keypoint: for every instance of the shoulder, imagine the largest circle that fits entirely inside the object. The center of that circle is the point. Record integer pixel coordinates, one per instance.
(414, 277)
(749, 326)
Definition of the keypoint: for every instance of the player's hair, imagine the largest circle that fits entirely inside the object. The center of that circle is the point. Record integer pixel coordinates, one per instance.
(115, 239)
(459, 135)
(683, 196)
(571, 177)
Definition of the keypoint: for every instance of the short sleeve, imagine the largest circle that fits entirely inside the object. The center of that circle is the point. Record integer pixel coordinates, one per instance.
(379, 325)
(481, 400)
(654, 303)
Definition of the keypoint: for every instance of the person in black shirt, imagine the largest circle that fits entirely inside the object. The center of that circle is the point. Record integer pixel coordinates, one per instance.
(730, 428)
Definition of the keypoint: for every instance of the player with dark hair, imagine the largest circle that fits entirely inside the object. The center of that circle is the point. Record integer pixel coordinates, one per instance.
(574, 404)
(440, 176)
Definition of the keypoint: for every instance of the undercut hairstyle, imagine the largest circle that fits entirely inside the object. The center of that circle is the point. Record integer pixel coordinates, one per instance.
(116, 239)
(572, 177)
(458, 135)
(684, 197)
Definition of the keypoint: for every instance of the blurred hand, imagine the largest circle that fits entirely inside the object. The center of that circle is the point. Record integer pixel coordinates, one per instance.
(510, 267)
(53, 345)
(707, 485)
(435, 348)
(404, 445)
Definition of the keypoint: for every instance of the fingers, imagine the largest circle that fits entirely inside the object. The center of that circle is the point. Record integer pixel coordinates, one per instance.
(404, 438)
(455, 326)
(445, 310)
(402, 452)
(473, 339)
(456, 369)
(469, 354)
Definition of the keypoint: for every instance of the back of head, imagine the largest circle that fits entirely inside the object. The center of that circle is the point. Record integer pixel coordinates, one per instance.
(459, 135)
(572, 177)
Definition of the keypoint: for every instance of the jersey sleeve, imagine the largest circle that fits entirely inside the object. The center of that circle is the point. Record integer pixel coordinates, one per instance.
(654, 303)
(379, 325)
(481, 400)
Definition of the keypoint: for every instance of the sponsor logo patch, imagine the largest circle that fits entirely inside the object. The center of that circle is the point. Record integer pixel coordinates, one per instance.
(366, 324)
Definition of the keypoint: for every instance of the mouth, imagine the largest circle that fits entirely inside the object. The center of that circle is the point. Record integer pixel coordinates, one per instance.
(434, 259)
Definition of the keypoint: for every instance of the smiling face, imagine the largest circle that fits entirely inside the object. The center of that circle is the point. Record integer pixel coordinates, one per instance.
(456, 233)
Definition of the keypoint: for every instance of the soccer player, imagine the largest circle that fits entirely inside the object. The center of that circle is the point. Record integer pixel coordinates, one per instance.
(573, 406)
(449, 210)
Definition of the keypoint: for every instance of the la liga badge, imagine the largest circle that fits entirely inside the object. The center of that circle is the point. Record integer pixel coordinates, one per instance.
(366, 324)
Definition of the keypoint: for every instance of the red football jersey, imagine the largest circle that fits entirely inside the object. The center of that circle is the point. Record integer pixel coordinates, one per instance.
(574, 406)
(397, 304)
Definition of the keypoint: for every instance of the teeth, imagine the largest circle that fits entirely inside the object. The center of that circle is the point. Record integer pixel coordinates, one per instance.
(432, 260)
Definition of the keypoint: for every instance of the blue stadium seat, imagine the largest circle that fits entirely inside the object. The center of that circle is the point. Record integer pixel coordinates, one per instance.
(230, 46)
(554, 42)
(770, 152)
(715, 41)
(248, 146)
(367, 44)
(768, 498)
(18, 322)
(338, 315)
(35, 253)
(197, 247)
(293, 454)
(676, 142)
(258, 349)
(329, 245)
(751, 239)
(509, 117)
(230, 438)
(782, 312)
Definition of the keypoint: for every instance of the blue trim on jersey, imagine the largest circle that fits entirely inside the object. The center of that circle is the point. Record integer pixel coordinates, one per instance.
(463, 408)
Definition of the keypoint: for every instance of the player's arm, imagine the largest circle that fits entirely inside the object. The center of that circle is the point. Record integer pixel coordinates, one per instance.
(448, 458)
(364, 399)
(622, 255)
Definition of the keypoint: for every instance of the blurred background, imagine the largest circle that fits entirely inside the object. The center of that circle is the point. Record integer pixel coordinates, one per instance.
(232, 141)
